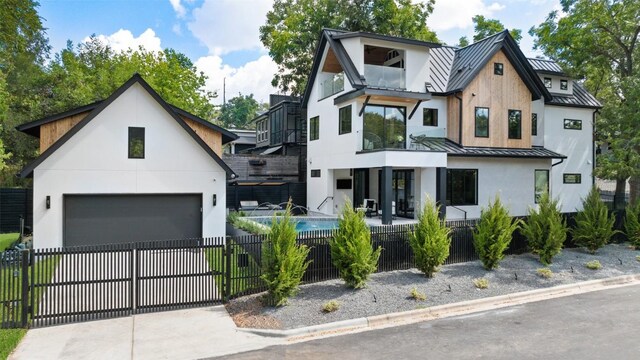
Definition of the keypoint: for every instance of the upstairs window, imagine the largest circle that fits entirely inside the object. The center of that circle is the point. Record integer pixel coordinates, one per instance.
(498, 68)
(571, 124)
(515, 124)
(564, 85)
(430, 117)
(344, 120)
(547, 83)
(136, 143)
(314, 128)
(482, 122)
(572, 178)
(534, 124)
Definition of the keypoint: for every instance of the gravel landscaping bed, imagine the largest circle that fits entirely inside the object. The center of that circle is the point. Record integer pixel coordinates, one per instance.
(390, 291)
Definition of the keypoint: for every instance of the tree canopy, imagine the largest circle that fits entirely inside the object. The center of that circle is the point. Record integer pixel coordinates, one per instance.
(484, 27)
(598, 39)
(292, 28)
(239, 111)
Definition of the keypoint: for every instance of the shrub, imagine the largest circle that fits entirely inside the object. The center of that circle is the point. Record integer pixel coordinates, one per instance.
(283, 261)
(492, 235)
(481, 283)
(593, 265)
(430, 241)
(330, 306)
(638, 257)
(594, 226)
(545, 229)
(417, 295)
(545, 273)
(351, 249)
(632, 224)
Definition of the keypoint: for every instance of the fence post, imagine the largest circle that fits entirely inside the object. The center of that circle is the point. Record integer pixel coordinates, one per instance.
(24, 313)
(228, 250)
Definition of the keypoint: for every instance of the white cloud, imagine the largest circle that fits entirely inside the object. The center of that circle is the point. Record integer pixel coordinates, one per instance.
(177, 29)
(225, 26)
(254, 77)
(123, 39)
(452, 14)
(180, 10)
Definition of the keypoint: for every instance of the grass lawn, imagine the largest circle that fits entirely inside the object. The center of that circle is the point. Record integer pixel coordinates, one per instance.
(7, 239)
(243, 278)
(9, 339)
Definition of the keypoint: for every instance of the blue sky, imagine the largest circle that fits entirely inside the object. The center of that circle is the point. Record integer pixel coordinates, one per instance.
(221, 36)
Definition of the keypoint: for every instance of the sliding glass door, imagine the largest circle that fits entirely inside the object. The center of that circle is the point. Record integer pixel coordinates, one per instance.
(385, 127)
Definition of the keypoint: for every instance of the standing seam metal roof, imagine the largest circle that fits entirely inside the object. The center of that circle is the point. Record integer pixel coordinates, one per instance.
(543, 65)
(580, 98)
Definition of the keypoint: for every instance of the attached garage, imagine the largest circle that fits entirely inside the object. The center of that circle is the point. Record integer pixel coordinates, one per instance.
(110, 219)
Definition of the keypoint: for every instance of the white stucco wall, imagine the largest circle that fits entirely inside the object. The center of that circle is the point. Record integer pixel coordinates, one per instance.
(95, 161)
(577, 145)
(512, 179)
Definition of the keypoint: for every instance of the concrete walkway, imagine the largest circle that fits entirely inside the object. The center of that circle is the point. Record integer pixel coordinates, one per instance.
(181, 334)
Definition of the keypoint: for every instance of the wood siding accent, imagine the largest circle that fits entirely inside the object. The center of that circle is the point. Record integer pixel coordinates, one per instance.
(499, 93)
(331, 63)
(453, 118)
(210, 136)
(51, 132)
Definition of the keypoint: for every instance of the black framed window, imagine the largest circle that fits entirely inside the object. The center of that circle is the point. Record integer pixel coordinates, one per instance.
(541, 183)
(344, 120)
(429, 117)
(534, 124)
(462, 187)
(314, 128)
(136, 143)
(384, 127)
(548, 83)
(315, 173)
(482, 122)
(572, 178)
(498, 68)
(564, 85)
(515, 124)
(572, 124)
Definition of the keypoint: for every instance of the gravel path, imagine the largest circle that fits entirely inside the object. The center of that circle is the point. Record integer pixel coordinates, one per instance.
(389, 292)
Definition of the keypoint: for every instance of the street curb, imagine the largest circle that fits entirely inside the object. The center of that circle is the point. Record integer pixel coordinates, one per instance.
(448, 310)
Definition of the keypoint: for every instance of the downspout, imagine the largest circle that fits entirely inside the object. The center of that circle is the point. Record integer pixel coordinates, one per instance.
(593, 148)
(460, 119)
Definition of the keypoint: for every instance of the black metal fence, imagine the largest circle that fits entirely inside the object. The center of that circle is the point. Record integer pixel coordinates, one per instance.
(54, 286)
(15, 204)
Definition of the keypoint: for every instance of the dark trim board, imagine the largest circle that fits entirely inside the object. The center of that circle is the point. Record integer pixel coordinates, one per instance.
(28, 170)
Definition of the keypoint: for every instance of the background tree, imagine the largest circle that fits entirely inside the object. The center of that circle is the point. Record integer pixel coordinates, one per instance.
(239, 111)
(484, 27)
(292, 29)
(598, 39)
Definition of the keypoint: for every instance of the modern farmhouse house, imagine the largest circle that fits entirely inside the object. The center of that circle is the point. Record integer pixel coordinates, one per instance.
(392, 119)
(125, 169)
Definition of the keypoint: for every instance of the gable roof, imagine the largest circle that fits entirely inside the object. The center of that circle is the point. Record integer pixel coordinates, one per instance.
(136, 78)
(470, 60)
(33, 128)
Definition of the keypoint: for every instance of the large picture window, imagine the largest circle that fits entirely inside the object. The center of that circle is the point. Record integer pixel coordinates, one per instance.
(482, 122)
(515, 124)
(462, 187)
(314, 128)
(344, 120)
(541, 183)
(384, 127)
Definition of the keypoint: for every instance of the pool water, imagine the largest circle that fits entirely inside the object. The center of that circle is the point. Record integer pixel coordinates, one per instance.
(305, 224)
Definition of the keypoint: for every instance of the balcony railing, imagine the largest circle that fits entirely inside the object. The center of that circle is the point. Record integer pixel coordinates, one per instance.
(331, 85)
(385, 76)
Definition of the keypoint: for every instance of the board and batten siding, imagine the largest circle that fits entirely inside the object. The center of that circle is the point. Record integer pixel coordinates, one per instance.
(499, 93)
(210, 136)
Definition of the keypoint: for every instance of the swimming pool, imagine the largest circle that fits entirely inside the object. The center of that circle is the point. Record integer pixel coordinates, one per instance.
(303, 223)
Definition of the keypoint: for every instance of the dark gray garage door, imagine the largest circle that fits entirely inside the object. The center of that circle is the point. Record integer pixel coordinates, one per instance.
(109, 219)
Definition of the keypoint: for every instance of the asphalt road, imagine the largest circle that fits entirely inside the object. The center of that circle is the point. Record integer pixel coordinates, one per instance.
(597, 325)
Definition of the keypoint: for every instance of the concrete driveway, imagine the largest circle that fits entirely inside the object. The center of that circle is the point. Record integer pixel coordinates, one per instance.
(182, 334)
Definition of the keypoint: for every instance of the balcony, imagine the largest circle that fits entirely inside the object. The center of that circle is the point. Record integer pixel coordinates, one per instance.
(385, 76)
(330, 84)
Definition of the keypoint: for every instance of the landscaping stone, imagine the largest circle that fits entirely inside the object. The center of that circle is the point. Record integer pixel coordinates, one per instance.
(389, 292)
